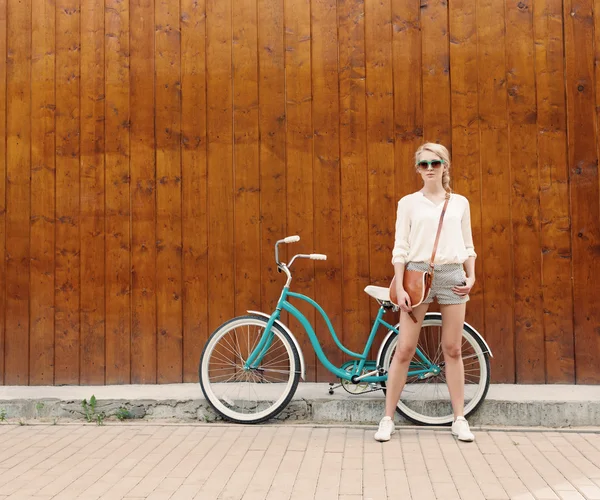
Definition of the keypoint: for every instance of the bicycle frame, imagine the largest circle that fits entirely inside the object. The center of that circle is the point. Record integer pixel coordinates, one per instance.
(283, 304)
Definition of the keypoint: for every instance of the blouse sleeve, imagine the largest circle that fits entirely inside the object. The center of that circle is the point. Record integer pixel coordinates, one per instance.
(466, 231)
(400, 252)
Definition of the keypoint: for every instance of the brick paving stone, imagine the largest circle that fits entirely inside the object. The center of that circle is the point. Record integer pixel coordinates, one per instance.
(307, 478)
(274, 453)
(396, 484)
(285, 477)
(287, 462)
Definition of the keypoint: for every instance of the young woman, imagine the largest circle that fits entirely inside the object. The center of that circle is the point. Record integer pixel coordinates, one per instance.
(416, 226)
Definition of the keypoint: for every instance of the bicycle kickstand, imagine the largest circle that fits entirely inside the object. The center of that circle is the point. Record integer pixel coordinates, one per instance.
(333, 387)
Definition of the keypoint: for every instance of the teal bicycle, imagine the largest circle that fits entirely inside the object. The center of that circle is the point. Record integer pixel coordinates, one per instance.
(251, 365)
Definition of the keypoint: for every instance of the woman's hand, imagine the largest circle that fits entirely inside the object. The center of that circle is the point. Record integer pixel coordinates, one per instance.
(404, 300)
(462, 290)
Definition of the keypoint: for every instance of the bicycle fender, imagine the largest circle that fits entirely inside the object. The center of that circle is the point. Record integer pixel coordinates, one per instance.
(294, 340)
(432, 315)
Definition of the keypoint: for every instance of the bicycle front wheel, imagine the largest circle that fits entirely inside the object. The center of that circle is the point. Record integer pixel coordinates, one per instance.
(425, 398)
(253, 395)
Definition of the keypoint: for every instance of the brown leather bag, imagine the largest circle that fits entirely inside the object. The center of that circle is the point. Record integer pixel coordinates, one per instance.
(418, 283)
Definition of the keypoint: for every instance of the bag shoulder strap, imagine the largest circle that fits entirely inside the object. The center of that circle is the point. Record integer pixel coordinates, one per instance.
(437, 236)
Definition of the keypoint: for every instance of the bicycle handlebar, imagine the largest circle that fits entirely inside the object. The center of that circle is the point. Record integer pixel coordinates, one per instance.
(283, 266)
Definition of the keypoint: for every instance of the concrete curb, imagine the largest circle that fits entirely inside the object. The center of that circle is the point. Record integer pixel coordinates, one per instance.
(516, 406)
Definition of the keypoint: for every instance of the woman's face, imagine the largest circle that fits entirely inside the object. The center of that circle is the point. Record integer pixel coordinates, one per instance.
(431, 167)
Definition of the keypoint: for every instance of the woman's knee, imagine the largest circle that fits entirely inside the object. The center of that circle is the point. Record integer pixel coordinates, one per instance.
(451, 349)
(404, 353)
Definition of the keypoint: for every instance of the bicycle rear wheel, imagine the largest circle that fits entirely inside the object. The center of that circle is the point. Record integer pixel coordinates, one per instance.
(257, 394)
(426, 399)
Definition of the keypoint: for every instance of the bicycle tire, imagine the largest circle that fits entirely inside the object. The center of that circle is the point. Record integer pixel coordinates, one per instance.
(209, 393)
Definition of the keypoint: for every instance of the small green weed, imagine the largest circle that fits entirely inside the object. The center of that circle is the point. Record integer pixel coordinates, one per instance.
(89, 409)
(123, 414)
(2, 415)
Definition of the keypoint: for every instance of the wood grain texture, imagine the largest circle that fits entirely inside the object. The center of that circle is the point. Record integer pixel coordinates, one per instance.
(3, 172)
(153, 151)
(168, 191)
(380, 145)
(67, 281)
(221, 287)
(272, 124)
(495, 182)
(117, 215)
(326, 172)
(299, 167)
(41, 308)
(557, 287)
(436, 72)
(408, 93)
(522, 108)
(353, 178)
(465, 170)
(143, 194)
(18, 151)
(92, 308)
(194, 185)
(583, 167)
(246, 157)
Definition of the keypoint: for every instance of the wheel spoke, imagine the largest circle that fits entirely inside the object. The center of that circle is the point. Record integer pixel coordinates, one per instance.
(427, 400)
(251, 395)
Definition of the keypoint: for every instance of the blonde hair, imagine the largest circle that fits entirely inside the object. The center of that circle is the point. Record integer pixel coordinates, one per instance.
(442, 153)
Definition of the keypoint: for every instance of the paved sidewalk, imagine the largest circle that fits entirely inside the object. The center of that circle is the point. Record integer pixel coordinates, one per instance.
(298, 462)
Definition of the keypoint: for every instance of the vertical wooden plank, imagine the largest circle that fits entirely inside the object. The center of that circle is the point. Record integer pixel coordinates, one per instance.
(299, 158)
(495, 191)
(67, 324)
(118, 266)
(18, 141)
(92, 353)
(143, 194)
(245, 157)
(168, 191)
(3, 171)
(220, 162)
(554, 192)
(272, 123)
(326, 171)
(522, 107)
(92, 194)
(195, 240)
(353, 159)
(408, 87)
(466, 175)
(436, 72)
(380, 142)
(41, 309)
(92, 350)
(583, 164)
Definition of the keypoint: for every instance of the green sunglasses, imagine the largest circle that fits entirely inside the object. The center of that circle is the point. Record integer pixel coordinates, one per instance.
(424, 164)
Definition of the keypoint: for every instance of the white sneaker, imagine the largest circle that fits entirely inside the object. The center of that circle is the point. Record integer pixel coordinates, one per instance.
(460, 429)
(386, 429)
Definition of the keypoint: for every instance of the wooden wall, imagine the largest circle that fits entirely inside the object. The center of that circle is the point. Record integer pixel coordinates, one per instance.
(155, 150)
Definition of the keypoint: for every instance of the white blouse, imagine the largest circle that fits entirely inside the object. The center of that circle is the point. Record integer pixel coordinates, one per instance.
(416, 226)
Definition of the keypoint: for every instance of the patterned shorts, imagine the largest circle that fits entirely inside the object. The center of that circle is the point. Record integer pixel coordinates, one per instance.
(445, 277)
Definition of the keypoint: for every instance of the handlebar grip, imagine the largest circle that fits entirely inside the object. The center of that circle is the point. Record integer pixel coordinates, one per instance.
(318, 256)
(291, 239)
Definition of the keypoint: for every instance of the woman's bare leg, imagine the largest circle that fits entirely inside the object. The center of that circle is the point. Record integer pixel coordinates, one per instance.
(453, 319)
(405, 350)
